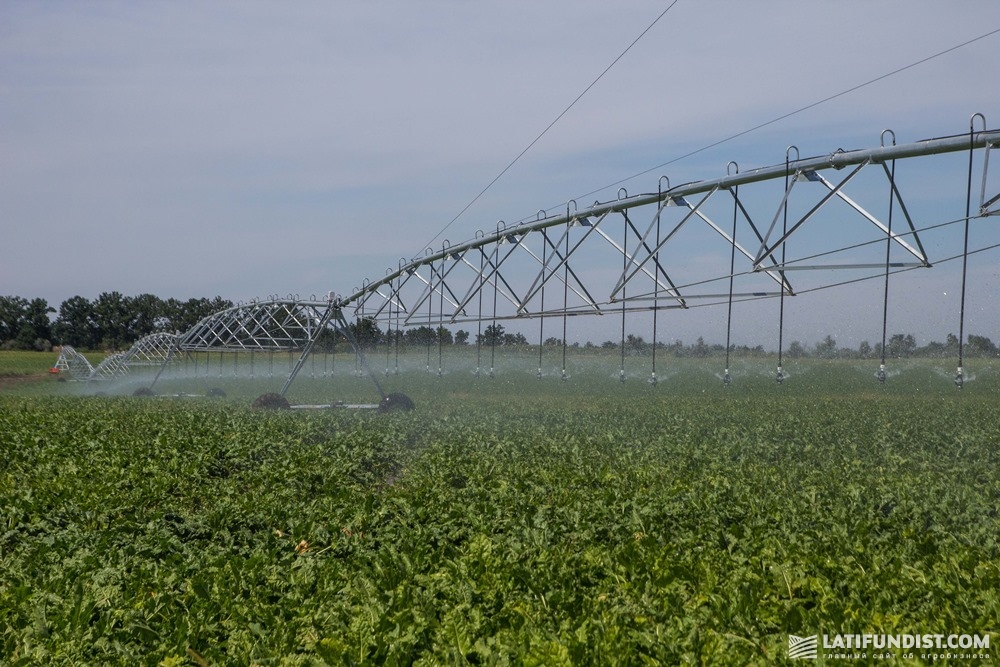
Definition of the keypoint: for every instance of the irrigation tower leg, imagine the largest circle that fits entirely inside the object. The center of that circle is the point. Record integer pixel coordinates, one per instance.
(169, 357)
(335, 314)
(327, 316)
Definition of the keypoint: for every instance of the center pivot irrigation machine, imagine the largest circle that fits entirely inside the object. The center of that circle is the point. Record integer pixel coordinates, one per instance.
(750, 230)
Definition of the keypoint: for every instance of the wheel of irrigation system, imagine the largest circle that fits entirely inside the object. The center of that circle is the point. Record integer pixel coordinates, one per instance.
(271, 401)
(143, 391)
(396, 402)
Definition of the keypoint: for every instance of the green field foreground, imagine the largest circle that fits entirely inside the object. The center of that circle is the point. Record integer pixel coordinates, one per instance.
(505, 521)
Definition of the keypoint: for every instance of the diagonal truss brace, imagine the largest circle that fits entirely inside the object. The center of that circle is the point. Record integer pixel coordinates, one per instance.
(541, 279)
(693, 211)
(767, 252)
(989, 206)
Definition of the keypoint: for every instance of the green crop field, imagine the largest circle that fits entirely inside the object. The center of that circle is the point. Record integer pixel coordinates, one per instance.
(505, 521)
(18, 363)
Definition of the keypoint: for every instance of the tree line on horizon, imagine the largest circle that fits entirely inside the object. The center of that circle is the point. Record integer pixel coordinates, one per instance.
(113, 321)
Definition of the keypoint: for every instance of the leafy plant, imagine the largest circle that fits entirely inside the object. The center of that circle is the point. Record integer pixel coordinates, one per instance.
(665, 531)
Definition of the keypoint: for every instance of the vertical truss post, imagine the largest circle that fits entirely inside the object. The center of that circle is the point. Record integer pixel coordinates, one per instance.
(779, 376)
(569, 224)
(496, 288)
(441, 286)
(398, 334)
(727, 379)
(430, 313)
(388, 330)
(653, 380)
(959, 374)
(625, 260)
(882, 375)
(541, 309)
(479, 314)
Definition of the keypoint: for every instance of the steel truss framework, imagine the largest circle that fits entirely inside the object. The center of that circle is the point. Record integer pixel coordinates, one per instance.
(622, 256)
(274, 325)
(72, 362)
(608, 258)
(503, 274)
(151, 350)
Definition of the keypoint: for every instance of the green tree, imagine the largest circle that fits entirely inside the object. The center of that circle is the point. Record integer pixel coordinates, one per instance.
(38, 325)
(514, 339)
(492, 335)
(420, 336)
(13, 314)
(700, 348)
(75, 324)
(24, 324)
(981, 345)
(144, 312)
(111, 320)
(635, 345)
(444, 336)
(901, 346)
(366, 332)
(826, 348)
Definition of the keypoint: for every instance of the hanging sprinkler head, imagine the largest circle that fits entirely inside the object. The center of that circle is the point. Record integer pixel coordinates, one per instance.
(727, 379)
(652, 378)
(959, 378)
(780, 376)
(881, 375)
(564, 376)
(539, 373)
(621, 375)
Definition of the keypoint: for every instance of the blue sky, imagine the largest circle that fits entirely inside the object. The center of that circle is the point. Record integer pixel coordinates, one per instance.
(245, 149)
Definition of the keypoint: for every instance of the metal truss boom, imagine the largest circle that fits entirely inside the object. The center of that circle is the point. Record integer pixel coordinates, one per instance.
(838, 159)
(600, 261)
